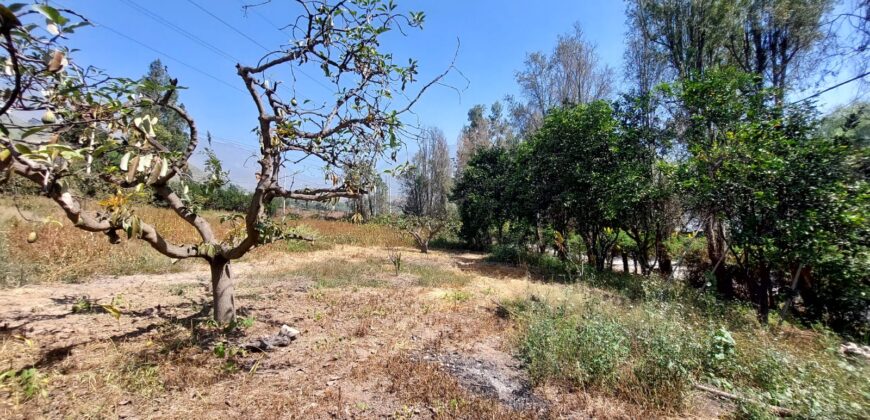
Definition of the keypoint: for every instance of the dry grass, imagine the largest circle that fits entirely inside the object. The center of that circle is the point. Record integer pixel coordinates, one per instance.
(63, 253)
(364, 332)
(347, 362)
(423, 383)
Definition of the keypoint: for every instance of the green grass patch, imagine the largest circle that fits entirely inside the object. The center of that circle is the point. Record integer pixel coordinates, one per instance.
(433, 276)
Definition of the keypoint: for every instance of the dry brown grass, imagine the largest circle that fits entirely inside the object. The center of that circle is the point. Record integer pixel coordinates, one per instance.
(350, 361)
(366, 235)
(423, 383)
(67, 254)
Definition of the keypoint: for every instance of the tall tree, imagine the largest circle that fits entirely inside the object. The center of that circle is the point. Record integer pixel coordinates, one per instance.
(571, 74)
(780, 40)
(427, 183)
(474, 136)
(688, 34)
(576, 169)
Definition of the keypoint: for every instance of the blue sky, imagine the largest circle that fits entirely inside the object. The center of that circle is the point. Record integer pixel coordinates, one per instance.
(494, 37)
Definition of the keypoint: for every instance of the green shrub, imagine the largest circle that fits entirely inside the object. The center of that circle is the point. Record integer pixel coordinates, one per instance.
(505, 253)
(583, 352)
(666, 361)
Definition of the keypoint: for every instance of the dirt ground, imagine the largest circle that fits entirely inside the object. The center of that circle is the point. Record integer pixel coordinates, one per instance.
(394, 351)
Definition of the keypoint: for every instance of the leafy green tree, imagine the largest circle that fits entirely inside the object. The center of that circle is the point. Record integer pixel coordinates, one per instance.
(577, 172)
(481, 196)
(651, 211)
(788, 196)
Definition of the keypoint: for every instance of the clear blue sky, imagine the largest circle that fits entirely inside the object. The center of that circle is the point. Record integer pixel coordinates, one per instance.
(494, 37)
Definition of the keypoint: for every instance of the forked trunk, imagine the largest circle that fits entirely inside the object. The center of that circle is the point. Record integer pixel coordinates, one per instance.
(223, 292)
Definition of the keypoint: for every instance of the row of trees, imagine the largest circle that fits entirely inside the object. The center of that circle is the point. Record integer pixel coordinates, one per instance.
(705, 139)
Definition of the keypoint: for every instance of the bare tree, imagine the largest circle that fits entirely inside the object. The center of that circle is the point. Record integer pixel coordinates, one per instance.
(571, 74)
(427, 183)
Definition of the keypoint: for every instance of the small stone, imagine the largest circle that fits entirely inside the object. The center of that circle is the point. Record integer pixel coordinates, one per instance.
(289, 331)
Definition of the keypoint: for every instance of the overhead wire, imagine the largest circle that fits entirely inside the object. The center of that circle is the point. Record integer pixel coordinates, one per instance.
(228, 25)
(155, 50)
(159, 19)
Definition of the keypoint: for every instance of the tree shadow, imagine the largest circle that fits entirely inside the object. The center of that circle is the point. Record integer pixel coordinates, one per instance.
(192, 321)
(483, 267)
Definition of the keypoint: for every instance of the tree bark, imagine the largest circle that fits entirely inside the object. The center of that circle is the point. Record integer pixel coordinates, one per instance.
(223, 291)
(716, 255)
(664, 258)
(762, 290)
(624, 256)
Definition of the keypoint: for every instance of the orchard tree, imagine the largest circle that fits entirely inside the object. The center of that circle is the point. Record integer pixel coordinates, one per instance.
(577, 169)
(481, 196)
(341, 39)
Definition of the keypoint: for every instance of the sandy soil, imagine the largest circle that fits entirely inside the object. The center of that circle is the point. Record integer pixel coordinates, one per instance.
(388, 352)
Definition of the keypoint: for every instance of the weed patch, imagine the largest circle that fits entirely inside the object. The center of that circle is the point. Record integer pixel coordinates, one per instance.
(652, 353)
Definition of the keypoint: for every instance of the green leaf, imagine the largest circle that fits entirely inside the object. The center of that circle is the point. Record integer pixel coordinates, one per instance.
(112, 310)
(50, 13)
(31, 131)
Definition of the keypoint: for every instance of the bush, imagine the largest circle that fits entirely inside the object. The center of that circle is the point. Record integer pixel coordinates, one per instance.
(582, 351)
(506, 254)
(649, 360)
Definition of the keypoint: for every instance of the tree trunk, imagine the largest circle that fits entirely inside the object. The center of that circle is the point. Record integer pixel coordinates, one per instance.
(716, 254)
(664, 258)
(624, 256)
(222, 290)
(763, 293)
(539, 235)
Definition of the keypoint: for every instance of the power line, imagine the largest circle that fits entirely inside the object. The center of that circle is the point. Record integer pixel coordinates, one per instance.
(262, 16)
(228, 25)
(830, 88)
(277, 28)
(159, 19)
(203, 72)
(155, 50)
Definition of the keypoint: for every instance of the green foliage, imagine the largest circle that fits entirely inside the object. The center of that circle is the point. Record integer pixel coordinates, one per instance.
(721, 351)
(653, 351)
(577, 174)
(789, 195)
(482, 195)
(649, 360)
(28, 382)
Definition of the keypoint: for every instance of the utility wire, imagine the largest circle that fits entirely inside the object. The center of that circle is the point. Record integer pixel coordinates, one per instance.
(277, 28)
(203, 72)
(228, 25)
(830, 88)
(141, 9)
(262, 16)
(155, 50)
